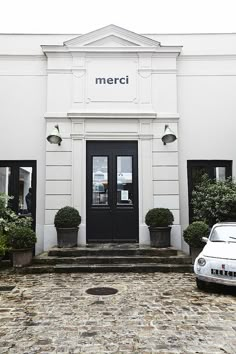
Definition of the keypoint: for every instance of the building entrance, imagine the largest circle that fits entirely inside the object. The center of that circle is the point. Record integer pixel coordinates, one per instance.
(112, 191)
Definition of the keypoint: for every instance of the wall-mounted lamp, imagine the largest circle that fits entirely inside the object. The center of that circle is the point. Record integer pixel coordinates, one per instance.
(168, 136)
(55, 136)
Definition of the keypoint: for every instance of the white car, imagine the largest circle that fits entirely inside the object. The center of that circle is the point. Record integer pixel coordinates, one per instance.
(217, 261)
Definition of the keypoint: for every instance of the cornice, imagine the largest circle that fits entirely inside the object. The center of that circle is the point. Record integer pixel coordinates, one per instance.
(167, 116)
(24, 57)
(56, 50)
(157, 116)
(206, 57)
(115, 115)
(109, 136)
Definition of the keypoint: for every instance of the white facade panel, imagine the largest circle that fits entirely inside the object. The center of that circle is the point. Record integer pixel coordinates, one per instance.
(163, 173)
(166, 187)
(58, 158)
(58, 173)
(166, 201)
(165, 159)
(57, 201)
(59, 92)
(58, 187)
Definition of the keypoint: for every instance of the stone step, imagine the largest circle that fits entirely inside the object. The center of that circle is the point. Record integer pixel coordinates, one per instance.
(49, 260)
(115, 251)
(95, 268)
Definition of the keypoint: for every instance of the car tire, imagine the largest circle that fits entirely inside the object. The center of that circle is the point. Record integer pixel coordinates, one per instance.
(201, 284)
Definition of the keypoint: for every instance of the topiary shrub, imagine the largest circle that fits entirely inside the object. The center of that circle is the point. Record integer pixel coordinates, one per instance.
(67, 217)
(194, 232)
(214, 201)
(20, 237)
(159, 217)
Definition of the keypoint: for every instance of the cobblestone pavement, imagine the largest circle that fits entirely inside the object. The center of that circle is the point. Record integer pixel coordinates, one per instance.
(150, 313)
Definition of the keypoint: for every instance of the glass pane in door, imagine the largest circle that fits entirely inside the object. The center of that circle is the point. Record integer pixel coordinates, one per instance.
(124, 180)
(25, 190)
(100, 180)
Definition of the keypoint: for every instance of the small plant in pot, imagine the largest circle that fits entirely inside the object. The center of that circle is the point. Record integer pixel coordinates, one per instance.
(193, 237)
(66, 221)
(159, 221)
(21, 241)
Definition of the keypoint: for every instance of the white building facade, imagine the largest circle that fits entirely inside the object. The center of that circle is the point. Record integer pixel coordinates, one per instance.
(112, 92)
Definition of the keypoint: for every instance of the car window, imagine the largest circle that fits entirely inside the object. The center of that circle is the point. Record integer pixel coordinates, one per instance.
(224, 234)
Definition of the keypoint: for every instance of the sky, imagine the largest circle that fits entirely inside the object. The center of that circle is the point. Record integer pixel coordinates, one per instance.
(141, 16)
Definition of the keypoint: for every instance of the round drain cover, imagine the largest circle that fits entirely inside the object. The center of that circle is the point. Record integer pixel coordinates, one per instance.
(101, 291)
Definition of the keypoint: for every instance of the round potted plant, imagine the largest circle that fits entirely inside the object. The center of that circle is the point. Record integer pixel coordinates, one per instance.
(21, 241)
(159, 221)
(66, 221)
(193, 237)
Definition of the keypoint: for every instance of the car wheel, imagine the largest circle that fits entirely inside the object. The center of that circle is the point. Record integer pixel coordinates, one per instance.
(201, 284)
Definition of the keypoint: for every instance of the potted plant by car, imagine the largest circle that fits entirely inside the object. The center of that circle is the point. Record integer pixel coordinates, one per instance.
(67, 221)
(193, 235)
(21, 241)
(159, 221)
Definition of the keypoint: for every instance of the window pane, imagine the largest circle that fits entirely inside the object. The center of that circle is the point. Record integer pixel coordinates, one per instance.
(197, 173)
(5, 173)
(124, 180)
(220, 173)
(100, 180)
(25, 190)
(5, 177)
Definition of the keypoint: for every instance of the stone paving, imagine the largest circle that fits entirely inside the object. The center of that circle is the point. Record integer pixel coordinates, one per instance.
(150, 313)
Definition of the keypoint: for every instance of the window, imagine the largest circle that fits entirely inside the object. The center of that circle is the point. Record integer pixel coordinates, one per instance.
(18, 179)
(215, 169)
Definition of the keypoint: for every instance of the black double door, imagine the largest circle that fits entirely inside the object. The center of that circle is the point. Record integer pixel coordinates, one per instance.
(112, 191)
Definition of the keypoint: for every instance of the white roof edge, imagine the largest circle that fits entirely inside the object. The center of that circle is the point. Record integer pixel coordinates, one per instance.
(142, 34)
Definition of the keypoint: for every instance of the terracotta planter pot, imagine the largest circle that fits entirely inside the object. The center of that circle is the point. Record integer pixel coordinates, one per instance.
(22, 257)
(160, 236)
(67, 237)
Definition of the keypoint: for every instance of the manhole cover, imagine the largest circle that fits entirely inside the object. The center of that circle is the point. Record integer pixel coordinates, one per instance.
(101, 291)
(7, 287)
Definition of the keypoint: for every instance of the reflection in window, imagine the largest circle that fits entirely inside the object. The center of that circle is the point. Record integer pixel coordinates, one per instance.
(100, 180)
(220, 173)
(124, 180)
(5, 176)
(5, 173)
(25, 190)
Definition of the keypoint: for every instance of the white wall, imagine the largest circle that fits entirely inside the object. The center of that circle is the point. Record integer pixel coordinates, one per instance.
(198, 86)
(22, 125)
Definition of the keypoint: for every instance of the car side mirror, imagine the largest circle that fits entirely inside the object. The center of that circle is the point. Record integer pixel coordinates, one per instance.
(205, 239)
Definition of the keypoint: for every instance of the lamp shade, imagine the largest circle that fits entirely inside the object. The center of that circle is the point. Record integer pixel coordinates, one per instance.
(55, 136)
(168, 136)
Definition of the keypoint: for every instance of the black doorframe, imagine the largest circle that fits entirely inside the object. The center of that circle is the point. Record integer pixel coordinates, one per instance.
(209, 166)
(114, 216)
(14, 183)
